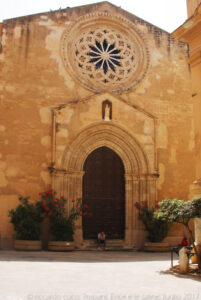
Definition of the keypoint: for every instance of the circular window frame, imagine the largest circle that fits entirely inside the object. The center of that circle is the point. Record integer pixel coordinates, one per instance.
(91, 22)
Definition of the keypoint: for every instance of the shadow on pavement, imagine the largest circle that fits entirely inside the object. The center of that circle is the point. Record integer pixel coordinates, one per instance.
(193, 276)
(83, 256)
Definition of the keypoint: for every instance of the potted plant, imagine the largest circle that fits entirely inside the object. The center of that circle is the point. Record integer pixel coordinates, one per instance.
(26, 221)
(61, 224)
(156, 229)
(51, 207)
(61, 230)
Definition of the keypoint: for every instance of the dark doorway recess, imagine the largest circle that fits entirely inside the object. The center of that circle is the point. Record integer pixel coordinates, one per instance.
(104, 193)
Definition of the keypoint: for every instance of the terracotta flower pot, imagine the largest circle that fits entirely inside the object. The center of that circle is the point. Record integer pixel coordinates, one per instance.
(27, 245)
(61, 246)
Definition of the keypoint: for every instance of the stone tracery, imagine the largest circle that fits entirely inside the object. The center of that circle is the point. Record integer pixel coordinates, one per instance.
(104, 57)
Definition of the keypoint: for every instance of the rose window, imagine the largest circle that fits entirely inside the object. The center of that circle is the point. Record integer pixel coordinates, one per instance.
(105, 57)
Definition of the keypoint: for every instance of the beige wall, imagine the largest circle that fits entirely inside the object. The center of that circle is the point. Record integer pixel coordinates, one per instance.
(191, 6)
(1, 29)
(190, 32)
(34, 83)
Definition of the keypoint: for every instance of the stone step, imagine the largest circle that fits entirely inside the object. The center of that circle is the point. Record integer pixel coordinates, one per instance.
(111, 245)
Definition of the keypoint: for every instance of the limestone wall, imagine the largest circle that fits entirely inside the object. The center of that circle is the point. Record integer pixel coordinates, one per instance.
(191, 6)
(34, 83)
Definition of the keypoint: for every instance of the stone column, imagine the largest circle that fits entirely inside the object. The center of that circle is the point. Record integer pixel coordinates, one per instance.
(137, 229)
(75, 188)
(128, 209)
(152, 194)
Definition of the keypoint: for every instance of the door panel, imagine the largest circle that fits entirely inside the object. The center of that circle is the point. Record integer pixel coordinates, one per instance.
(104, 193)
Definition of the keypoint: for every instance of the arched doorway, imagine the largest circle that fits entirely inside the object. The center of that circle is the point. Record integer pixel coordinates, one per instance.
(140, 179)
(104, 193)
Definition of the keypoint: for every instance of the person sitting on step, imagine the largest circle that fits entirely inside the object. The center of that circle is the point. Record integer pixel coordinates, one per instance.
(101, 239)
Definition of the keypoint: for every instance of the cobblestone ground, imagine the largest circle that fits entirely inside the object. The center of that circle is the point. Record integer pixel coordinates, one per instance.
(94, 275)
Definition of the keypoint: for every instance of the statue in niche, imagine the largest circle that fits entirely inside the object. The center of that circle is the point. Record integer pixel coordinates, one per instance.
(107, 110)
(107, 113)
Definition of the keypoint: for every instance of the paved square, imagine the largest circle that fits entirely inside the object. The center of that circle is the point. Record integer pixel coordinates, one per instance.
(92, 275)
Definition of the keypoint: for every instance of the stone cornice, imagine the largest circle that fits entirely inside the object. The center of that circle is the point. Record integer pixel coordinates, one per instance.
(183, 33)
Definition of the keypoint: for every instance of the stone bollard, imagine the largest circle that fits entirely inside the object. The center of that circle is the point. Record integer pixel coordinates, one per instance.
(183, 260)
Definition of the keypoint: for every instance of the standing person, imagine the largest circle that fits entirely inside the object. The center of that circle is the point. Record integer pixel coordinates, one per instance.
(101, 239)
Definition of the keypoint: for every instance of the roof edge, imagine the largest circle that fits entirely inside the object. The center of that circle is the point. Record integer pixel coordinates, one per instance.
(101, 3)
(56, 10)
(182, 30)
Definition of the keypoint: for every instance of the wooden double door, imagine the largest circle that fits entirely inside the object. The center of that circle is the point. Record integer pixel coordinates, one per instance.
(104, 193)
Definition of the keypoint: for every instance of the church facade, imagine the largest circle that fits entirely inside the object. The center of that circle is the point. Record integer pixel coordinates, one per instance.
(95, 104)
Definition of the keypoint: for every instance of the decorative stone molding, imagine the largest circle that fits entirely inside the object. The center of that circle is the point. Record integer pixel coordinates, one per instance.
(140, 184)
(111, 136)
(105, 53)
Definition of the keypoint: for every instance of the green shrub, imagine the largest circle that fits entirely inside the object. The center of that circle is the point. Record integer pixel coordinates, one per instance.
(61, 228)
(26, 220)
(157, 229)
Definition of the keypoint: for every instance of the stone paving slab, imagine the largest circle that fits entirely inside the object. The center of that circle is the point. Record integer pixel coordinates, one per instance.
(96, 275)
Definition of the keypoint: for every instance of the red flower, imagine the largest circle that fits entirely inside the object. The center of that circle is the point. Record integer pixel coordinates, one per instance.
(157, 206)
(86, 206)
(39, 194)
(48, 192)
(78, 207)
(137, 205)
(47, 208)
(143, 206)
(50, 213)
(73, 201)
(47, 200)
(84, 213)
(79, 200)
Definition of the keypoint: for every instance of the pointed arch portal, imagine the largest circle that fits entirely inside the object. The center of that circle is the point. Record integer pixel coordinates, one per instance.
(139, 183)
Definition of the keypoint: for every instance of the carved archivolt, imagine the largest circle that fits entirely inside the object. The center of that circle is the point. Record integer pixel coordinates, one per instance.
(105, 53)
(112, 136)
(140, 184)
